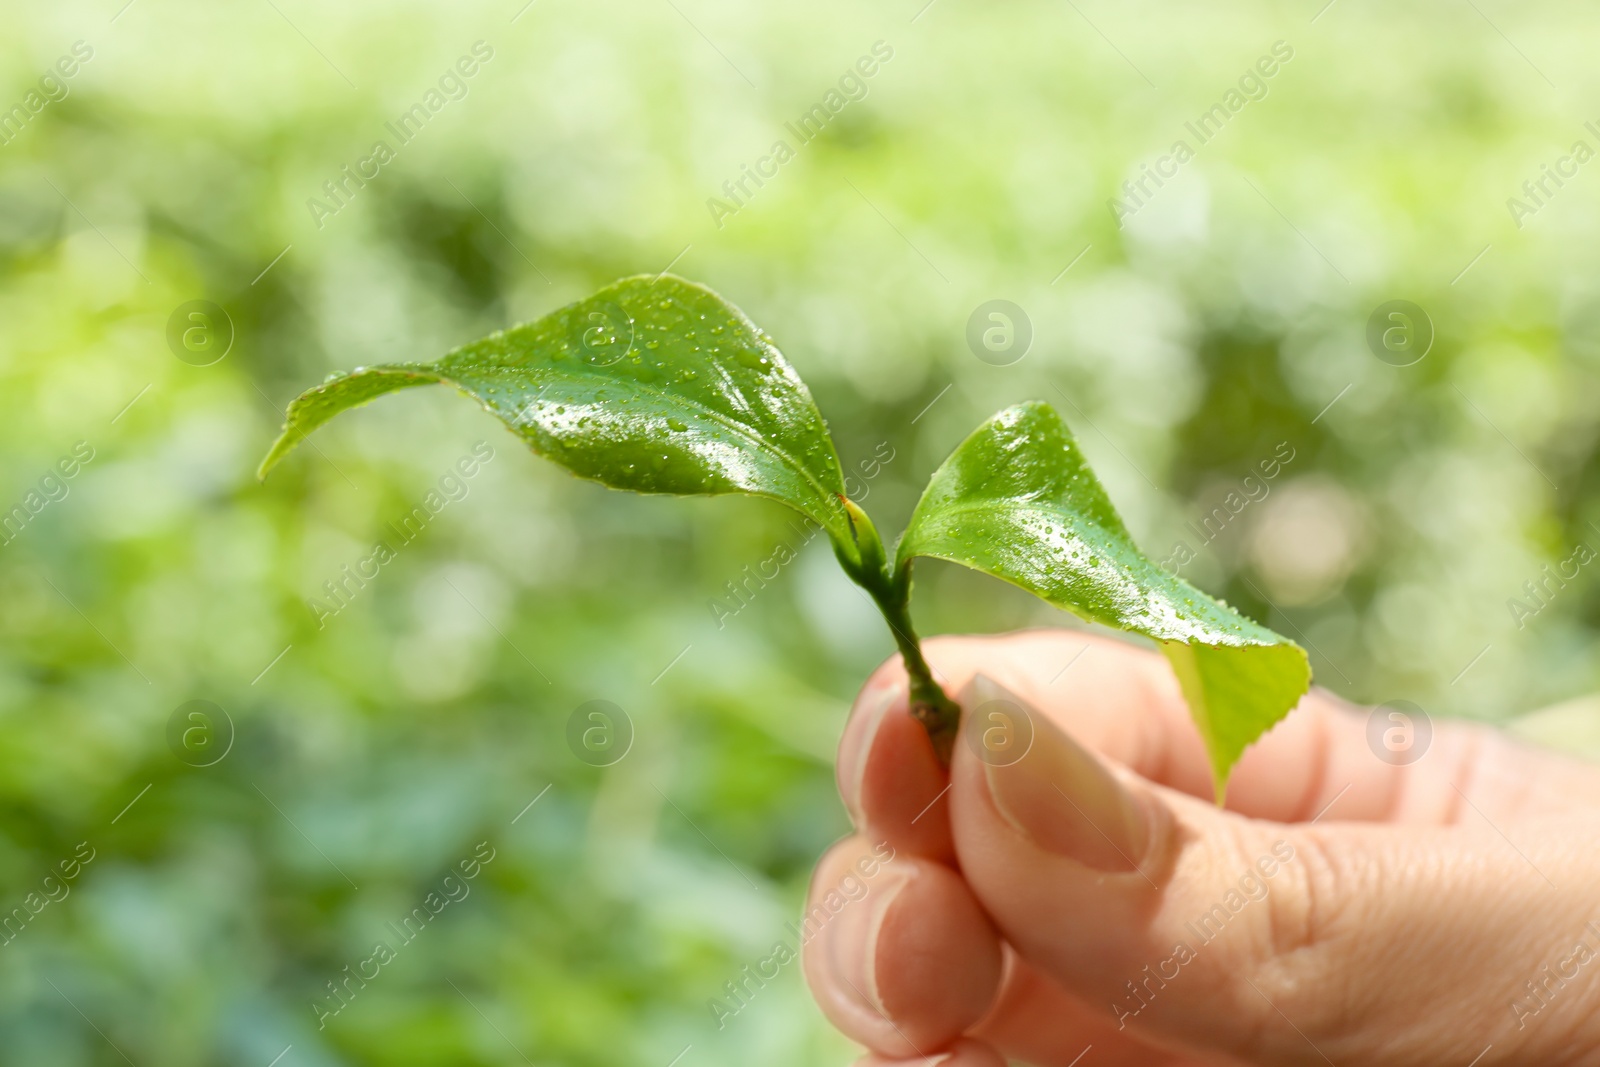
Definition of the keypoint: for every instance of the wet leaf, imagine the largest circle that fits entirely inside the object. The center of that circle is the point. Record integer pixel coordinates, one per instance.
(1017, 500)
(657, 385)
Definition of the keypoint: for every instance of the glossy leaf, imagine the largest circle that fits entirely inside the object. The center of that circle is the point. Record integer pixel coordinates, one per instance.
(1017, 500)
(653, 384)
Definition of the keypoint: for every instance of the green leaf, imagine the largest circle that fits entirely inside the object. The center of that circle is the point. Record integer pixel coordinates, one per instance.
(653, 384)
(1017, 500)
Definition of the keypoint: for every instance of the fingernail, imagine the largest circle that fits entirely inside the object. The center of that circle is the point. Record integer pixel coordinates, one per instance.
(1055, 792)
(853, 942)
(856, 745)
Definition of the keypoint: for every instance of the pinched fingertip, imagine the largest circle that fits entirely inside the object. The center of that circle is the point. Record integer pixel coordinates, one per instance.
(890, 778)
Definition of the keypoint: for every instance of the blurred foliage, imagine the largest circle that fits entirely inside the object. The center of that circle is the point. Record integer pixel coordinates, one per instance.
(1223, 319)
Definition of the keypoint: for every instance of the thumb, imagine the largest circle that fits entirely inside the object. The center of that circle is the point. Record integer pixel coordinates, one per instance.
(1205, 931)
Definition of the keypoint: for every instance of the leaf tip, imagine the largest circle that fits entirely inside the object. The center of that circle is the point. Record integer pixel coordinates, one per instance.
(280, 448)
(288, 437)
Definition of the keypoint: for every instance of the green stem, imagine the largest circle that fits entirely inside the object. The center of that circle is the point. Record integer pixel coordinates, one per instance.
(930, 705)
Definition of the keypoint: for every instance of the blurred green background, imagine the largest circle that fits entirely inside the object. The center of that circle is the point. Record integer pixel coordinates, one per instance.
(368, 757)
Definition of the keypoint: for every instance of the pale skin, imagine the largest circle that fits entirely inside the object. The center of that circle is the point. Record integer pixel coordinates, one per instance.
(1036, 909)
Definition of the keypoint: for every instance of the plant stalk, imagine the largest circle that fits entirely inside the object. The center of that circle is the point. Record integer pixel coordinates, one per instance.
(930, 704)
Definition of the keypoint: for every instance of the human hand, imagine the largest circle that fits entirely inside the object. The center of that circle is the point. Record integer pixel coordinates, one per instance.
(1341, 910)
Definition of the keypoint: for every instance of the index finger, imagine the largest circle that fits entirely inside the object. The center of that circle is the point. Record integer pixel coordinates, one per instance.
(1124, 702)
